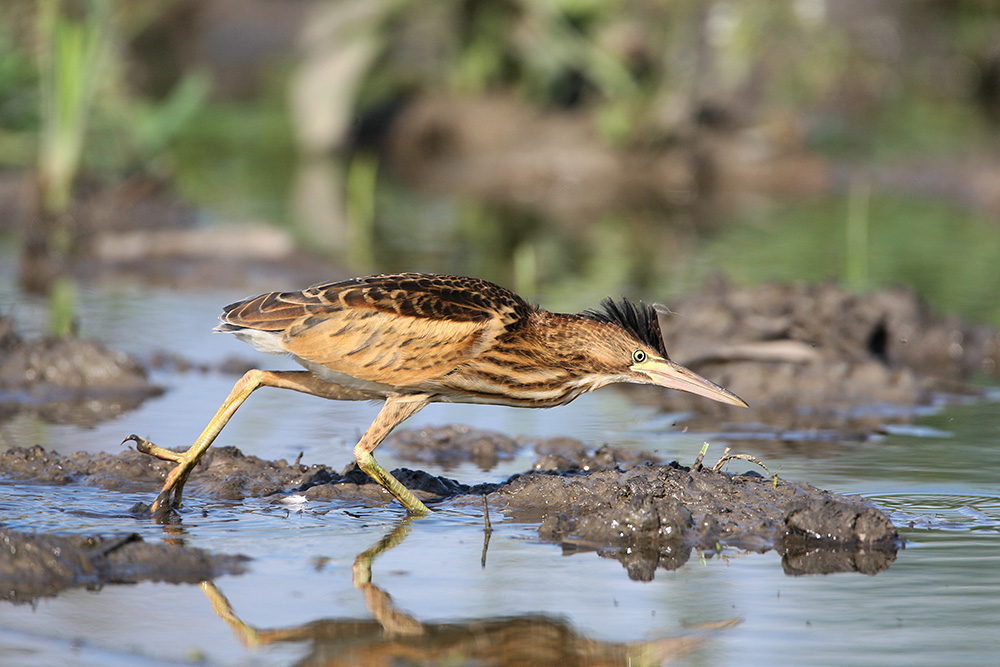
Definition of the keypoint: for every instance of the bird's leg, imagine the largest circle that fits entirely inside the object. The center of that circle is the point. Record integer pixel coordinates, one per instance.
(397, 408)
(248, 635)
(170, 494)
(394, 622)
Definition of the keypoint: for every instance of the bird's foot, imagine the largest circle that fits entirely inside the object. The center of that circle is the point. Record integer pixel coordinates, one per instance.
(413, 504)
(169, 497)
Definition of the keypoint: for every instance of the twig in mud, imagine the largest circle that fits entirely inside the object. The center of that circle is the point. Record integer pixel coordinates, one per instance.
(701, 457)
(725, 458)
(487, 530)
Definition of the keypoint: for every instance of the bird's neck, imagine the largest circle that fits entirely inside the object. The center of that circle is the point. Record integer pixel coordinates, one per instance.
(567, 347)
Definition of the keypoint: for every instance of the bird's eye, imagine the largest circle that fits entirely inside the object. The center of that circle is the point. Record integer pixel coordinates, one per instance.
(638, 357)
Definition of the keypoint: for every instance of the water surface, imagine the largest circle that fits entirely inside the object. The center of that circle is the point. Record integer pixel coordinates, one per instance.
(939, 603)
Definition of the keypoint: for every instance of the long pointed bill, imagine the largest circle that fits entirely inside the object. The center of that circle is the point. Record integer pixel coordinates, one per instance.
(666, 373)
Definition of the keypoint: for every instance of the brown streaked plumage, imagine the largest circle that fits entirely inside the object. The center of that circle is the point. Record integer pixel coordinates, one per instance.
(412, 339)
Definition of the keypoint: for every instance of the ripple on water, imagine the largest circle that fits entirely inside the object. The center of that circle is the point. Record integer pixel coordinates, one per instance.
(950, 512)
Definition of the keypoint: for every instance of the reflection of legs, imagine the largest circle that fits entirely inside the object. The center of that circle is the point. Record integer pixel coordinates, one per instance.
(170, 494)
(247, 635)
(379, 603)
(391, 621)
(397, 408)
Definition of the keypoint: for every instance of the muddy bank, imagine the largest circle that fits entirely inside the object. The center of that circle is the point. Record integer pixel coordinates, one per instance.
(632, 507)
(34, 566)
(814, 358)
(68, 379)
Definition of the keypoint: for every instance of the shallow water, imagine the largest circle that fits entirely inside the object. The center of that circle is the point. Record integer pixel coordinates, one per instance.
(939, 603)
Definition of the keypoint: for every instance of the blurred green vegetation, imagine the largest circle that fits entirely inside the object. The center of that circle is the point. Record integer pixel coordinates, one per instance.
(237, 159)
(63, 87)
(625, 62)
(72, 52)
(947, 254)
(19, 106)
(894, 85)
(68, 110)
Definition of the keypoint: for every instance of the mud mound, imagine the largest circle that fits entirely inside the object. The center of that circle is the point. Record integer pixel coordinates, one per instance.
(647, 514)
(33, 566)
(68, 379)
(653, 516)
(820, 356)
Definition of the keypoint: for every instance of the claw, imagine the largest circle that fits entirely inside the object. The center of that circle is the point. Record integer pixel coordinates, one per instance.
(146, 447)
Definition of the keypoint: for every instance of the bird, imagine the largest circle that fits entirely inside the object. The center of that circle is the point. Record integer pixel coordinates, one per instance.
(411, 339)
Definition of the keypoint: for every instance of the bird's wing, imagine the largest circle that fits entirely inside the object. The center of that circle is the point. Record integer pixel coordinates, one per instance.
(401, 329)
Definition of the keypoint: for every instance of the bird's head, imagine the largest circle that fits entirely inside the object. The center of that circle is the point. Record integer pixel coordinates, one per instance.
(631, 344)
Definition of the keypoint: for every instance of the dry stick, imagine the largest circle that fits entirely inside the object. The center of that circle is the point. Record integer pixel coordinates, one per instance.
(487, 530)
(726, 457)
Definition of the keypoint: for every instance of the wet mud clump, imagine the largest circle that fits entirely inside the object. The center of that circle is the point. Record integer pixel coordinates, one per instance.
(34, 566)
(224, 472)
(630, 506)
(820, 357)
(68, 379)
(653, 516)
(649, 514)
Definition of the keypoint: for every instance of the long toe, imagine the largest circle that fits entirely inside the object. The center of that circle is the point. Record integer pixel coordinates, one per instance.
(146, 447)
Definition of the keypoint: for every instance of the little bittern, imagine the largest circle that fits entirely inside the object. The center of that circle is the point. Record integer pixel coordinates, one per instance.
(411, 339)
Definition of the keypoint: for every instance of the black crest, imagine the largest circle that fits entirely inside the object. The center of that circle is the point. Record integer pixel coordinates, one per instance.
(639, 319)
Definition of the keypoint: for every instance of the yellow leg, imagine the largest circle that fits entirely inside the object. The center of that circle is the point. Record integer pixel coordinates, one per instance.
(394, 622)
(170, 494)
(397, 408)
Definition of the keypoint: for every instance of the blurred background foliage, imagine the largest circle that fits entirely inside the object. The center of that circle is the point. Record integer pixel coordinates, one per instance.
(571, 148)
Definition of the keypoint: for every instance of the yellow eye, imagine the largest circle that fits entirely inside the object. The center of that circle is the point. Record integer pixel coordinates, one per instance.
(638, 357)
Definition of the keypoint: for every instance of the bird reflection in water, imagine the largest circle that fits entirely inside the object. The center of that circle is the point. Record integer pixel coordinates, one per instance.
(396, 637)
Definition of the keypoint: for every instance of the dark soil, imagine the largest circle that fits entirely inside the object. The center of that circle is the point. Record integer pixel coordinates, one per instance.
(448, 446)
(817, 361)
(33, 566)
(628, 506)
(68, 379)
(653, 516)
